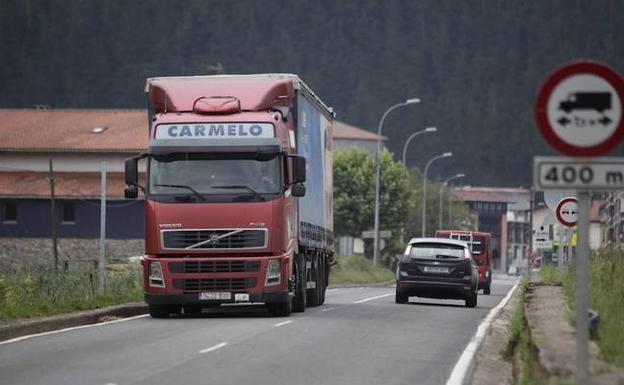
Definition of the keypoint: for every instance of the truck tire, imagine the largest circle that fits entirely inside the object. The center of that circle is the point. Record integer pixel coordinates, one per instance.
(280, 309)
(486, 289)
(323, 280)
(299, 302)
(163, 311)
(314, 294)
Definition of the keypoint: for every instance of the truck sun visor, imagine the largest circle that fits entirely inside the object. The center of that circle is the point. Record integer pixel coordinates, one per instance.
(215, 105)
(261, 148)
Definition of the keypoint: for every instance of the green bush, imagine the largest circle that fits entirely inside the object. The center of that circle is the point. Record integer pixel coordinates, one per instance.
(358, 269)
(40, 290)
(607, 298)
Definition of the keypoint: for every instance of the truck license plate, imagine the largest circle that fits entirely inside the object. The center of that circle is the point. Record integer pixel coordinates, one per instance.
(219, 295)
(436, 269)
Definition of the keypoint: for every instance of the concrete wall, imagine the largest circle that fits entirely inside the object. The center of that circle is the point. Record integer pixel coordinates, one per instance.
(36, 251)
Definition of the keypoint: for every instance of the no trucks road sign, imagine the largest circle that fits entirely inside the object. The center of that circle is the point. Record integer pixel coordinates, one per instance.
(579, 109)
(567, 211)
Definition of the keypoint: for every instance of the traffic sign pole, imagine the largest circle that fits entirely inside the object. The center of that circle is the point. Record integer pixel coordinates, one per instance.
(560, 247)
(582, 284)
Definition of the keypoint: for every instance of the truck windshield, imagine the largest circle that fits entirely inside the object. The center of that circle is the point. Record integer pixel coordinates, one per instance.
(201, 176)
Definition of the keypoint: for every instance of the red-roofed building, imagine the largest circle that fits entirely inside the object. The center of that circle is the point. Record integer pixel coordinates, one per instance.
(346, 136)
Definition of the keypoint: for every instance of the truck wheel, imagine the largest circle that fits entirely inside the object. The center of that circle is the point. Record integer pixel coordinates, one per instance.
(314, 294)
(399, 296)
(323, 281)
(162, 311)
(471, 301)
(299, 302)
(486, 289)
(280, 309)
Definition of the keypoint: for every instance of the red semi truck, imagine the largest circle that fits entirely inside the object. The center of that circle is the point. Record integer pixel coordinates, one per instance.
(238, 194)
(481, 246)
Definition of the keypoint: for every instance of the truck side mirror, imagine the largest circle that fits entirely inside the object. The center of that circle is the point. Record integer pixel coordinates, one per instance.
(299, 169)
(131, 192)
(132, 171)
(298, 190)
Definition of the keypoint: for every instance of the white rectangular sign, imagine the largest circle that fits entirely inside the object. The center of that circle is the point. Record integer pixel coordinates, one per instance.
(591, 174)
(214, 130)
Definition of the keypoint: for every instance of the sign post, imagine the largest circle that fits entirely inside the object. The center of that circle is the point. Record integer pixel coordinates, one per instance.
(579, 112)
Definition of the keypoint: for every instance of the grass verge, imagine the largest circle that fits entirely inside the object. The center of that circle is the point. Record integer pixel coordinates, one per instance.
(520, 348)
(42, 291)
(607, 298)
(358, 269)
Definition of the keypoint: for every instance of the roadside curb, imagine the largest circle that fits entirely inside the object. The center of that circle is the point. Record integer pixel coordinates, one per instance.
(462, 371)
(23, 327)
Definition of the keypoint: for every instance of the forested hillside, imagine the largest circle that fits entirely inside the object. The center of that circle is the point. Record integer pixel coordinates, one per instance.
(475, 64)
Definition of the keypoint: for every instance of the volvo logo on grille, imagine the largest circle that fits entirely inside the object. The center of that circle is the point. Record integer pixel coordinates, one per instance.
(214, 238)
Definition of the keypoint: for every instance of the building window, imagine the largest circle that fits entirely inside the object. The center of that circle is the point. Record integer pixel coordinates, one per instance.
(10, 212)
(68, 212)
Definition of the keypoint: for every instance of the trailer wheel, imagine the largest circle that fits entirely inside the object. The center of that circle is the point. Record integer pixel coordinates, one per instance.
(299, 302)
(323, 275)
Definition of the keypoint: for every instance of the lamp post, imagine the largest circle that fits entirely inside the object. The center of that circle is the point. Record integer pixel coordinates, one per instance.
(407, 142)
(442, 193)
(378, 171)
(424, 200)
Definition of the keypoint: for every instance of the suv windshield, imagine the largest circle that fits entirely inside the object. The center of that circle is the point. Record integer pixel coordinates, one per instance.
(199, 176)
(436, 251)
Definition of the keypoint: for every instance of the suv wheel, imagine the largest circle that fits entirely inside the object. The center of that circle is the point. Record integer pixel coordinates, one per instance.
(471, 301)
(400, 297)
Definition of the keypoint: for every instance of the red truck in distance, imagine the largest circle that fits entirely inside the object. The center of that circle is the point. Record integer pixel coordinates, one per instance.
(481, 246)
(238, 198)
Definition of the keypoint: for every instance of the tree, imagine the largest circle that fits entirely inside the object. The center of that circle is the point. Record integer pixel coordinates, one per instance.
(354, 194)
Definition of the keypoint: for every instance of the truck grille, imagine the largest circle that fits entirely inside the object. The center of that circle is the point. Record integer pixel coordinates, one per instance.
(223, 266)
(214, 284)
(216, 239)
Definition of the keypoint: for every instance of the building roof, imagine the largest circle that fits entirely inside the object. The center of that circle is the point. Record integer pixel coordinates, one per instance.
(489, 194)
(68, 130)
(66, 185)
(345, 131)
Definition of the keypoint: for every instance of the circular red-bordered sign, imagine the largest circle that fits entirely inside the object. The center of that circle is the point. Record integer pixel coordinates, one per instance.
(567, 211)
(582, 101)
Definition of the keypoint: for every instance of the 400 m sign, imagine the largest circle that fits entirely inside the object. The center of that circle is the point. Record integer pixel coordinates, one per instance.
(583, 174)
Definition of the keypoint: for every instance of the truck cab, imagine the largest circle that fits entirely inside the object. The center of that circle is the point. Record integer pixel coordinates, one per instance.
(221, 197)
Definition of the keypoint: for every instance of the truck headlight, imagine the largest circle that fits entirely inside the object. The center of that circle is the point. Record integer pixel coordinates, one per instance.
(156, 278)
(274, 272)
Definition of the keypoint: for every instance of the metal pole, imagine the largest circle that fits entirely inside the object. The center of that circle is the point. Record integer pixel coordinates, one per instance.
(407, 142)
(440, 207)
(378, 173)
(560, 248)
(582, 284)
(102, 263)
(53, 217)
(450, 207)
(531, 201)
(442, 187)
(424, 199)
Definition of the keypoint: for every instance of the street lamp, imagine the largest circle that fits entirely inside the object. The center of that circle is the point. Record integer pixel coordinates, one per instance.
(428, 129)
(442, 193)
(377, 173)
(424, 200)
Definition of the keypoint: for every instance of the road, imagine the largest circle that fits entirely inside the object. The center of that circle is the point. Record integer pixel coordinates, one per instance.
(360, 336)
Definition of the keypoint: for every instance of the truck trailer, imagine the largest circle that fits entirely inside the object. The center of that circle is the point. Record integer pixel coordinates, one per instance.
(238, 193)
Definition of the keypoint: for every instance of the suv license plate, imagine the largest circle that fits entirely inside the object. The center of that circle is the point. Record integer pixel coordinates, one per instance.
(436, 269)
(219, 295)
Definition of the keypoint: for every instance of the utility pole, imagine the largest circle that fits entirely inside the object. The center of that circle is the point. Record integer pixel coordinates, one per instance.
(53, 214)
(102, 263)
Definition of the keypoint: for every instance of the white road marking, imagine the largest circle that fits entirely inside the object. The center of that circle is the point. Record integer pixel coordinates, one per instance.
(282, 323)
(333, 289)
(213, 348)
(372, 298)
(328, 309)
(17, 339)
(465, 360)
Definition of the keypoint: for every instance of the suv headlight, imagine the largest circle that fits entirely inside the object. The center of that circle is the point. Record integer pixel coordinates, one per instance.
(274, 272)
(156, 278)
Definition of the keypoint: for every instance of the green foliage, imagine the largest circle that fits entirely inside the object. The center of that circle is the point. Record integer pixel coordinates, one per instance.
(607, 298)
(550, 275)
(357, 269)
(32, 291)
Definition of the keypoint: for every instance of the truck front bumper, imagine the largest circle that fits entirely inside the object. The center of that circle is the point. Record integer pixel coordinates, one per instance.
(193, 299)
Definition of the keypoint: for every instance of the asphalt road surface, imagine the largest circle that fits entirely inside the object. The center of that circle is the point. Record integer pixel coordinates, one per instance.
(360, 336)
